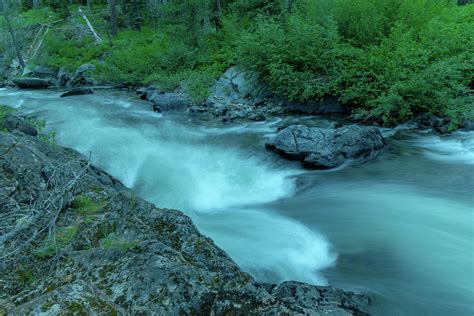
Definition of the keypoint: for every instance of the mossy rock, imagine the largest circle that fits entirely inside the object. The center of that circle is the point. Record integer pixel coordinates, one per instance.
(85, 205)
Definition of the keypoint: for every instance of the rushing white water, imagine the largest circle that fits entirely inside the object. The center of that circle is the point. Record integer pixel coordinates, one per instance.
(197, 170)
(399, 228)
(459, 148)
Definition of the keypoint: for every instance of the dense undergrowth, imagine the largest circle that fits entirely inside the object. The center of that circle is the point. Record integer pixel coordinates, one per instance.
(387, 59)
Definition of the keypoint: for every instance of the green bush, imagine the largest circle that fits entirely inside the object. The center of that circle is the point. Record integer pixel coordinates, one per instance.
(409, 73)
(300, 58)
(64, 49)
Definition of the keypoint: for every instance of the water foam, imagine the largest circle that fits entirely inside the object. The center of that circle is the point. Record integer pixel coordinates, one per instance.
(271, 247)
(221, 186)
(458, 147)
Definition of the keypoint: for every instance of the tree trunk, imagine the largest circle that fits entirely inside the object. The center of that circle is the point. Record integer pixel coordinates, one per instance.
(15, 44)
(218, 14)
(113, 17)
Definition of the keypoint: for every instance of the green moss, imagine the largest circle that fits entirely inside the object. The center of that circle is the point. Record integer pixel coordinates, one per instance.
(76, 308)
(84, 205)
(4, 111)
(49, 246)
(96, 189)
(46, 306)
(25, 276)
(113, 241)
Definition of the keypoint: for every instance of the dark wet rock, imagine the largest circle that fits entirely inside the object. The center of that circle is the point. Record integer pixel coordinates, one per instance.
(441, 125)
(329, 105)
(31, 83)
(142, 93)
(240, 95)
(44, 72)
(64, 77)
(14, 123)
(324, 148)
(84, 75)
(122, 255)
(468, 126)
(77, 91)
(166, 101)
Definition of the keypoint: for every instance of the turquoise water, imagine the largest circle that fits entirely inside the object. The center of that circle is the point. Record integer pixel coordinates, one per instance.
(399, 228)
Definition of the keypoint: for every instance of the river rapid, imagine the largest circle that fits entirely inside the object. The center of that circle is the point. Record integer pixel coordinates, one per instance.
(399, 228)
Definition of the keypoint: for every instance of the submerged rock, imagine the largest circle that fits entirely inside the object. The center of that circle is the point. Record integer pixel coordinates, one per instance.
(31, 83)
(325, 148)
(77, 91)
(110, 252)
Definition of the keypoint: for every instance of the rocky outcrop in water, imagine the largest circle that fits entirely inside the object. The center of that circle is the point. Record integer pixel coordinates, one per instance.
(77, 91)
(240, 95)
(74, 240)
(325, 148)
(31, 83)
(163, 101)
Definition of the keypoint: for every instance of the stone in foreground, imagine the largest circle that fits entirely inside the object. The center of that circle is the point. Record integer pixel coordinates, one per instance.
(326, 148)
(113, 253)
(31, 83)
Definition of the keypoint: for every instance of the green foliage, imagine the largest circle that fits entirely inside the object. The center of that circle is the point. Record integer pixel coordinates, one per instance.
(135, 13)
(300, 58)
(4, 111)
(390, 59)
(409, 73)
(61, 238)
(38, 16)
(65, 49)
(84, 205)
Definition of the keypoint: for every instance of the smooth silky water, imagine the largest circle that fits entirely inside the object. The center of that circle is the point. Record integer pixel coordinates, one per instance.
(399, 228)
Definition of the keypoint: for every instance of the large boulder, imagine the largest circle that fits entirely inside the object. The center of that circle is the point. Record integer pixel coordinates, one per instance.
(166, 101)
(325, 148)
(31, 83)
(99, 249)
(239, 95)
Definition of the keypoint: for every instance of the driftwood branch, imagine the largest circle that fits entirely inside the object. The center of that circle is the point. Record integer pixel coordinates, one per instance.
(24, 225)
(94, 33)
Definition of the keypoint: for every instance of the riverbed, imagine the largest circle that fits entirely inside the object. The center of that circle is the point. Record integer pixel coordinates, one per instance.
(399, 228)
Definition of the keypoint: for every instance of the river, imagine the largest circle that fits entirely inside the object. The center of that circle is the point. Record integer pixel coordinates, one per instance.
(399, 228)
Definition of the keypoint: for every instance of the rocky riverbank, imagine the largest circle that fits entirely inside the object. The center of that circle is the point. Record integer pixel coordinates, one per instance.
(74, 240)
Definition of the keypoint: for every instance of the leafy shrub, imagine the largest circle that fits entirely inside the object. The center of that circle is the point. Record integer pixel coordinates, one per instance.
(409, 73)
(300, 58)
